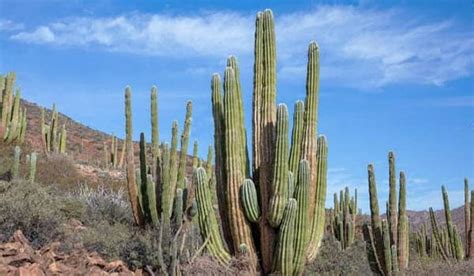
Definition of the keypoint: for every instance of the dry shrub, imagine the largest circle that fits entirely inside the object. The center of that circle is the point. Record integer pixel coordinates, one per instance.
(58, 170)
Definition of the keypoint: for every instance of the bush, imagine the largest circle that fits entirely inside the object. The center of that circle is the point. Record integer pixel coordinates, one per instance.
(59, 171)
(331, 260)
(103, 204)
(32, 208)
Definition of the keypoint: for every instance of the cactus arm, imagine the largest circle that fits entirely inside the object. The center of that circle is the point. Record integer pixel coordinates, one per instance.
(283, 259)
(301, 231)
(184, 145)
(279, 195)
(131, 180)
(318, 221)
(207, 219)
(296, 137)
(248, 195)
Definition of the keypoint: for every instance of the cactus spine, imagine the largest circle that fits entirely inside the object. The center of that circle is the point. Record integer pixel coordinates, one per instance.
(386, 256)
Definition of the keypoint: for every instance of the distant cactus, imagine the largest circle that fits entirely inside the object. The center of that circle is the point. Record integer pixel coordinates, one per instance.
(54, 141)
(387, 255)
(32, 174)
(343, 218)
(16, 163)
(13, 121)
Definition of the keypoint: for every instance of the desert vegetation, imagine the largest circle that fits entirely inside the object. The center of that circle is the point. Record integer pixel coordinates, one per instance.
(253, 207)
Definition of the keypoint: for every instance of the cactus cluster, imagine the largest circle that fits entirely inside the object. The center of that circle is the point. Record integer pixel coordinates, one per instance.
(159, 192)
(343, 217)
(280, 197)
(54, 139)
(468, 220)
(112, 159)
(30, 163)
(387, 240)
(447, 239)
(13, 119)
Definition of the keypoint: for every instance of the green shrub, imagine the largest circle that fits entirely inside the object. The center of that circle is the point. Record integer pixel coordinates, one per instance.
(32, 208)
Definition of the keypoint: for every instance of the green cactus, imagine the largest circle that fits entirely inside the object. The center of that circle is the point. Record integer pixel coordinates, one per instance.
(184, 145)
(155, 134)
(53, 140)
(32, 175)
(455, 245)
(274, 163)
(248, 194)
(207, 219)
(284, 251)
(301, 222)
(392, 215)
(467, 216)
(385, 255)
(344, 219)
(470, 235)
(279, 196)
(195, 155)
(16, 163)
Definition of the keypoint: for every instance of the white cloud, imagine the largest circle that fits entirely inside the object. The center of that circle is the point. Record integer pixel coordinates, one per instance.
(359, 47)
(8, 25)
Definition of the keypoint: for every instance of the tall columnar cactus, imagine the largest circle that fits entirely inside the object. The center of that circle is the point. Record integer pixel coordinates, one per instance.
(275, 165)
(16, 162)
(470, 234)
(284, 251)
(131, 177)
(279, 189)
(195, 155)
(300, 243)
(392, 199)
(343, 218)
(53, 139)
(184, 145)
(386, 256)
(467, 216)
(453, 235)
(12, 117)
(32, 173)
(155, 134)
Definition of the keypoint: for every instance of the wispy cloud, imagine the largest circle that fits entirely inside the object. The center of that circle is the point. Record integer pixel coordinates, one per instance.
(8, 25)
(359, 47)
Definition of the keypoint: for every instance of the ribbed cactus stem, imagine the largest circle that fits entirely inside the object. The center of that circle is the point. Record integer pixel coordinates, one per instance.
(392, 215)
(173, 167)
(239, 226)
(311, 121)
(178, 208)
(296, 137)
(155, 134)
(151, 196)
(16, 162)
(184, 145)
(387, 249)
(207, 219)
(471, 229)
(467, 215)
(301, 222)
(279, 195)
(166, 194)
(209, 162)
(248, 194)
(195, 155)
(264, 121)
(63, 140)
(402, 228)
(291, 185)
(131, 180)
(33, 160)
(219, 148)
(284, 250)
(318, 221)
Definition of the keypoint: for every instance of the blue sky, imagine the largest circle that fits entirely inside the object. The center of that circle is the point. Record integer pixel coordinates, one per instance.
(395, 75)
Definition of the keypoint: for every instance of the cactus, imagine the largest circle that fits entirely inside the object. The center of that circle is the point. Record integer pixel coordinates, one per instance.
(275, 166)
(284, 251)
(455, 246)
(13, 121)
(301, 222)
(16, 163)
(470, 234)
(387, 255)
(195, 155)
(392, 215)
(279, 190)
(207, 219)
(184, 145)
(32, 175)
(467, 216)
(248, 194)
(155, 134)
(54, 141)
(344, 219)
